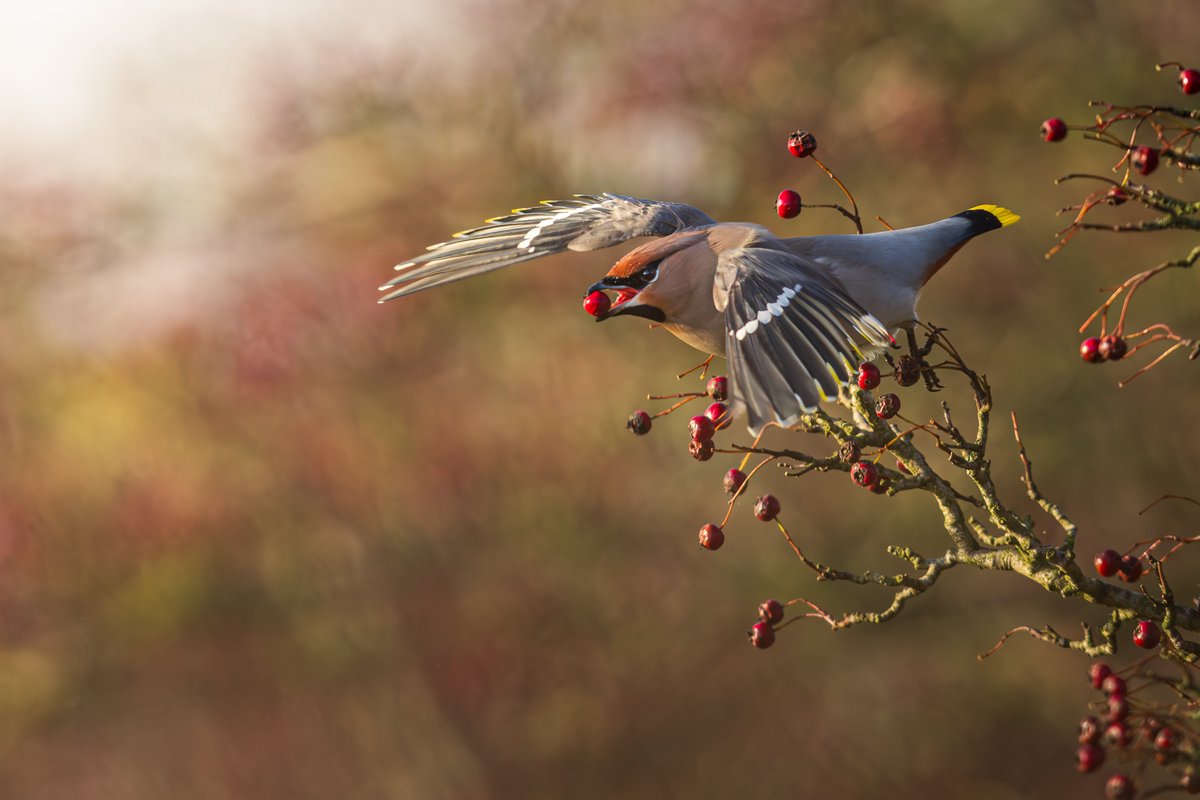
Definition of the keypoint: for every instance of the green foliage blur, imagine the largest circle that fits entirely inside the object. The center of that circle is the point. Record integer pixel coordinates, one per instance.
(261, 537)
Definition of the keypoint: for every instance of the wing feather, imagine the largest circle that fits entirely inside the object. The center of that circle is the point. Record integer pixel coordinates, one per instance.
(793, 333)
(583, 222)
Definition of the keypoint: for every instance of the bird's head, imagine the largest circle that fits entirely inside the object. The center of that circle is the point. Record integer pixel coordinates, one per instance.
(656, 279)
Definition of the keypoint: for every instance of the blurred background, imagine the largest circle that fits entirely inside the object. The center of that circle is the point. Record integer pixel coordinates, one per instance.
(261, 537)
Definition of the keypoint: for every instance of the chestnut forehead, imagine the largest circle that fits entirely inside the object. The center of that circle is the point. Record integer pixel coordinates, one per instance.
(653, 251)
(632, 262)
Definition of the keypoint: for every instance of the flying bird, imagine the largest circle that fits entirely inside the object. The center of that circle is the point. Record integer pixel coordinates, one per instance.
(793, 316)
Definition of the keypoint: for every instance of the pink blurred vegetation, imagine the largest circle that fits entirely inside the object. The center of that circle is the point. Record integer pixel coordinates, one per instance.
(260, 537)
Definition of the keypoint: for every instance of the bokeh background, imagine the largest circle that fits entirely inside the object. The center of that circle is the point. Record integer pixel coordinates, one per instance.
(261, 537)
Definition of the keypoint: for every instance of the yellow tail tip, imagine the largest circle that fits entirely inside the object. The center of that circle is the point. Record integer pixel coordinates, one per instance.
(1005, 216)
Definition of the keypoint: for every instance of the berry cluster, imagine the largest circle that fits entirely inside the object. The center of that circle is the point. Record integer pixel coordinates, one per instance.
(1105, 348)
(1146, 136)
(762, 632)
(1136, 730)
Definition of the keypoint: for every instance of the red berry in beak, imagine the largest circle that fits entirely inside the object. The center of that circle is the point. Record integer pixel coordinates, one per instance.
(766, 508)
(802, 144)
(1054, 130)
(711, 537)
(1144, 159)
(868, 376)
(1089, 350)
(596, 303)
(788, 204)
(1189, 80)
(762, 635)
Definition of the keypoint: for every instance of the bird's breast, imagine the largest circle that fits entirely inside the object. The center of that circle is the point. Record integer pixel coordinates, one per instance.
(705, 339)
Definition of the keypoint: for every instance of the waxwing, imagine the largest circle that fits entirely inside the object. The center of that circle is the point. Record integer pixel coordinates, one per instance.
(793, 316)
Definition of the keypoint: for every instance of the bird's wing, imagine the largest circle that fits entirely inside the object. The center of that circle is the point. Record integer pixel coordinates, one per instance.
(585, 222)
(793, 334)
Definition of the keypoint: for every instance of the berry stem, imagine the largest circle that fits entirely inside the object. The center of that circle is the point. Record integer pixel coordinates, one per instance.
(855, 216)
(682, 402)
(745, 483)
(702, 366)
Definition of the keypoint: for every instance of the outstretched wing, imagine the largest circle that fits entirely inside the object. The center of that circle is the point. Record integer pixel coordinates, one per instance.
(793, 335)
(585, 222)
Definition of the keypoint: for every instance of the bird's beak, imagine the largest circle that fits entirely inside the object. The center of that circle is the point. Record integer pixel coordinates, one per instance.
(625, 302)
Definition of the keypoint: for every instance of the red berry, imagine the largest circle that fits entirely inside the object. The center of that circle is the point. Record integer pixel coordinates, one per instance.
(1144, 159)
(1116, 196)
(788, 204)
(802, 144)
(1107, 564)
(868, 376)
(639, 423)
(1089, 350)
(718, 388)
(1148, 635)
(1113, 685)
(1119, 787)
(711, 537)
(902, 468)
(1116, 735)
(1054, 130)
(1113, 348)
(1189, 80)
(1089, 730)
(719, 414)
(701, 451)
(1131, 568)
(1118, 708)
(864, 474)
(766, 508)
(1164, 742)
(596, 303)
(762, 635)
(771, 612)
(1089, 757)
(887, 406)
(1098, 672)
(701, 428)
(734, 480)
